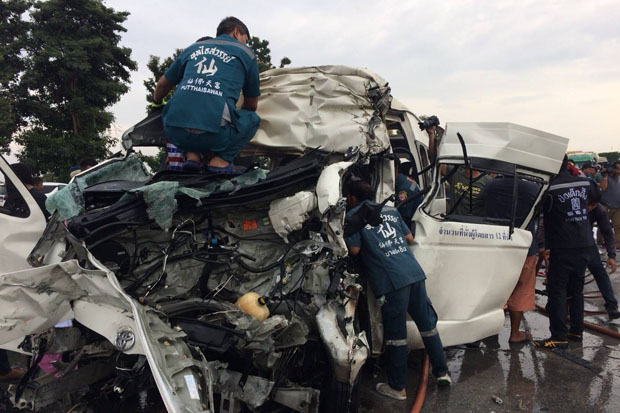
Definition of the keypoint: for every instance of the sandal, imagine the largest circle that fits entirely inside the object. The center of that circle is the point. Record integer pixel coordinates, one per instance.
(191, 166)
(229, 169)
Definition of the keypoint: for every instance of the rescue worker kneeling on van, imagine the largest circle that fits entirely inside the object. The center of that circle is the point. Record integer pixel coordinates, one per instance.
(202, 115)
(395, 274)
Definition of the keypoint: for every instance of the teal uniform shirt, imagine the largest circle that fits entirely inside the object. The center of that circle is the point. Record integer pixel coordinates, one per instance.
(387, 258)
(210, 74)
(406, 189)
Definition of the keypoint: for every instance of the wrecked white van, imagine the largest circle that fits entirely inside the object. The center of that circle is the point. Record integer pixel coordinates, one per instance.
(131, 289)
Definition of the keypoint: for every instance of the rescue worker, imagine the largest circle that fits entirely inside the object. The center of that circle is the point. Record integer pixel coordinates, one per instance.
(568, 236)
(201, 115)
(396, 276)
(598, 215)
(406, 188)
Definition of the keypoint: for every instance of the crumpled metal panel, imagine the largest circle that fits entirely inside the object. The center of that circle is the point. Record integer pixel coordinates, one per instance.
(252, 390)
(347, 351)
(320, 106)
(506, 142)
(288, 214)
(34, 300)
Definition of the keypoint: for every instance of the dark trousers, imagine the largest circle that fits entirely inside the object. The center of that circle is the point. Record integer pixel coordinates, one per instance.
(5, 367)
(601, 277)
(411, 299)
(567, 267)
(226, 144)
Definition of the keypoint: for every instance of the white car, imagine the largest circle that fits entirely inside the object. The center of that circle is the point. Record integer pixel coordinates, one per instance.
(150, 267)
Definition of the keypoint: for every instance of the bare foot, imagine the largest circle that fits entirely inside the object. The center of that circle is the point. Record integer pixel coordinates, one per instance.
(193, 156)
(218, 162)
(520, 337)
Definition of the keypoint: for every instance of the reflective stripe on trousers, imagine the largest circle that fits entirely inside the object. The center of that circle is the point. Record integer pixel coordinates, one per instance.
(402, 342)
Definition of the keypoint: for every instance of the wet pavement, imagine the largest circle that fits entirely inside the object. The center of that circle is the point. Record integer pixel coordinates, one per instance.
(502, 378)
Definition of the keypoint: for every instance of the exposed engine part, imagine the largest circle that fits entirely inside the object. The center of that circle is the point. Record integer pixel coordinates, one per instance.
(39, 394)
(300, 399)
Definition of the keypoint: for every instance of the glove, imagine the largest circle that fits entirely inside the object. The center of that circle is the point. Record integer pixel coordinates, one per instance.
(154, 107)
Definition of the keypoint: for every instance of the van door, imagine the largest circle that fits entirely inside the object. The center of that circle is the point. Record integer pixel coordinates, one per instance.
(20, 231)
(472, 262)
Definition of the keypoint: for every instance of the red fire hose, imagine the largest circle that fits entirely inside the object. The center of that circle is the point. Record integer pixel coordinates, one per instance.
(422, 384)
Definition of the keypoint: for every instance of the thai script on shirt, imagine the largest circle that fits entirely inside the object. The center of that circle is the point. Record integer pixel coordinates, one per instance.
(573, 193)
(393, 243)
(213, 51)
(460, 187)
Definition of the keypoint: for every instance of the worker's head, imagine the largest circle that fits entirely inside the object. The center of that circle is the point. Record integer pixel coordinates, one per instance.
(588, 168)
(616, 168)
(37, 183)
(234, 27)
(87, 164)
(359, 191)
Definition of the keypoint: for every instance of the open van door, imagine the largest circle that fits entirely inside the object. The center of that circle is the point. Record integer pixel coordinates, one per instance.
(473, 262)
(20, 232)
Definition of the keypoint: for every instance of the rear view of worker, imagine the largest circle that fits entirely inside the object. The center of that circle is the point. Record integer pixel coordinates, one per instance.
(201, 116)
(395, 275)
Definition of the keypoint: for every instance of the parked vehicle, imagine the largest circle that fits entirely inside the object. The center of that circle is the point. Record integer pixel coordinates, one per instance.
(2, 195)
(149, 268)
(50, 188)
(581, 157)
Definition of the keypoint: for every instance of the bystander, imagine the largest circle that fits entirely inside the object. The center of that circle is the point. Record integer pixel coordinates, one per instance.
(497, 199)
(610, 185)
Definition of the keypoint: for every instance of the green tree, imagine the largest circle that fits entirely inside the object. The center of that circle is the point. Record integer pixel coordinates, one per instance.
(75, 70)
(263, 54)
(13, 34)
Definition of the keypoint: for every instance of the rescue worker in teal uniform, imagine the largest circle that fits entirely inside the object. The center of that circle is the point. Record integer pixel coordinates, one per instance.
(407, 188)
(395, 274)
(201, 115)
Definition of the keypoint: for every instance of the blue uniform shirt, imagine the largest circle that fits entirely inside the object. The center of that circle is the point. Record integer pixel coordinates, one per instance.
(208, 75)
(388, 261)
(406, 188)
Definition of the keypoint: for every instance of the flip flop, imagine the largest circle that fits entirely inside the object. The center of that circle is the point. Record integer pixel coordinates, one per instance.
(528, 337)
(191, 166)
(229, 170)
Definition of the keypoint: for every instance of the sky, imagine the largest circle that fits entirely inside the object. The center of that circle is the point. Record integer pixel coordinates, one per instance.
(549, 65)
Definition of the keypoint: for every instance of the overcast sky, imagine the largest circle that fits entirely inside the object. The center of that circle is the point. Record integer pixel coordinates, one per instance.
(550, 65)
